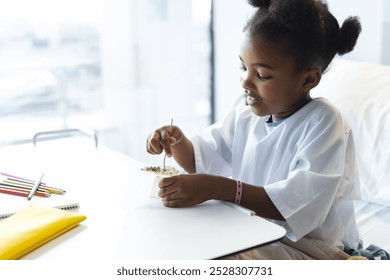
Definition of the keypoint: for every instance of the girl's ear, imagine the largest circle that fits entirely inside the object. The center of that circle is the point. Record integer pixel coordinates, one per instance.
(312, 79)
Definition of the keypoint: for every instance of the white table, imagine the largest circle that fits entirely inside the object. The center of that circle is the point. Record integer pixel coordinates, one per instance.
(123, 220)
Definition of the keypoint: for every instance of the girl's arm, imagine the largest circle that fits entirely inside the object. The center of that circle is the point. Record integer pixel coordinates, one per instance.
(192, 189)
(257, 199)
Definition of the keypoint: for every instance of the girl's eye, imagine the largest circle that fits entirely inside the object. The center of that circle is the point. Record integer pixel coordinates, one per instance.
(262, 78)
(243, 68)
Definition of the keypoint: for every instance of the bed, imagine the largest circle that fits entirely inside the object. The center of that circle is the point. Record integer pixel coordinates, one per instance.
(362, 92)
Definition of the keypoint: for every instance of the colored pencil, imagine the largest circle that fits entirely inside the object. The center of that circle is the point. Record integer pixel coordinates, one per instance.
(30, 185)
(19, 192)
(31, 182)
(21, 188)
(13, 192)
(17, 177)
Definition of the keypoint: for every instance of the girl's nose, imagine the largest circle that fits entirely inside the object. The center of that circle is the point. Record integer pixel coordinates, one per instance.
(245, 80)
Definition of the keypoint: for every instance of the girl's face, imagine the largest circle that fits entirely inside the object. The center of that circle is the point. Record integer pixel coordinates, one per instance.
(272, 84)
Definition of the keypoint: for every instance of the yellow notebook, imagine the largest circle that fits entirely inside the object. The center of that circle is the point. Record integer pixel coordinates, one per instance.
(32, 227)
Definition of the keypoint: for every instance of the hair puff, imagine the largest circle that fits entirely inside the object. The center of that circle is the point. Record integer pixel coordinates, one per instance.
(348, 35)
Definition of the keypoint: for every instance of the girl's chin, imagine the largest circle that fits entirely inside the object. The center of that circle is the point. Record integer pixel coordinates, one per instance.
(258, 112)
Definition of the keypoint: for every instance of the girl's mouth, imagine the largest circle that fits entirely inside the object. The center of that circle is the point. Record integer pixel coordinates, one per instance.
(252, 100)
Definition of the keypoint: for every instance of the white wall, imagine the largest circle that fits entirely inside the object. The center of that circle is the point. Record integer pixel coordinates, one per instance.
(117, 71)
(230, 15)
(386, 34)
(370, 42)
(155, 58)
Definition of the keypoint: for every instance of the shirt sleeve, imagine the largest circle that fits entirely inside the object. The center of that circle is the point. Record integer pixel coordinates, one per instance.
(321, 173)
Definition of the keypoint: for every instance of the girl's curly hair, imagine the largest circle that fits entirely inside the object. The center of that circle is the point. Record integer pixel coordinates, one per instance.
(307, 28)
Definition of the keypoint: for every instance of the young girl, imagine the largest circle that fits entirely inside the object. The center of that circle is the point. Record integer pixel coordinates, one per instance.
(288, 157)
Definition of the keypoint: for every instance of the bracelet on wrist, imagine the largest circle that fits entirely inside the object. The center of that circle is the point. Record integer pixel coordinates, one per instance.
(238, 192)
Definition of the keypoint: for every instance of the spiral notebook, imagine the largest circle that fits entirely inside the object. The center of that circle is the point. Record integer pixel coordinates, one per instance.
(10, 204)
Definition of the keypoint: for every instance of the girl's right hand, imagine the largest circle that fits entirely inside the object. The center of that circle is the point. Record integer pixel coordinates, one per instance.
(161, 140)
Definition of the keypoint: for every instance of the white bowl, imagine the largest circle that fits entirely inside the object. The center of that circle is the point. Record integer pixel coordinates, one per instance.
(158, 173)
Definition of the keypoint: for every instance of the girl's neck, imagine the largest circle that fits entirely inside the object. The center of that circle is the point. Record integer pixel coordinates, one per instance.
(283, 115)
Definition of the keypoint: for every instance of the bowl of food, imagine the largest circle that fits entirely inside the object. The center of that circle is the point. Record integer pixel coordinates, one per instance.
(160, 172)
(166, 171)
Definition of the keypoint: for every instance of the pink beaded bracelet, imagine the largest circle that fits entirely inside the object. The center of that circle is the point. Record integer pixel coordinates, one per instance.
(238, 192)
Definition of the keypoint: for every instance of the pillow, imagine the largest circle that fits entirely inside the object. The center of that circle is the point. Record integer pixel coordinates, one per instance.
(362, 92)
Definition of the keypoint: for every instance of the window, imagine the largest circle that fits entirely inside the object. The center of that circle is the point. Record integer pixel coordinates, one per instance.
(50, 66)
(122, 67)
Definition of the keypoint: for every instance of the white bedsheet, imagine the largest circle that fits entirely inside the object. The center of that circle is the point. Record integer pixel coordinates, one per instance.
(374, 224)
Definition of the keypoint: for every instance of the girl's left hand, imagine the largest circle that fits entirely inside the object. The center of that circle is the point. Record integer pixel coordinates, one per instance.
(185, 190)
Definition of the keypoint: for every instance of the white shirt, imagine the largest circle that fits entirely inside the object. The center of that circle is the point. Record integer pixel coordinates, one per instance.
(306, 165)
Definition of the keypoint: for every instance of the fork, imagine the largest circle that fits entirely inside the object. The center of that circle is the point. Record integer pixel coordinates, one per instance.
(169, 132)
